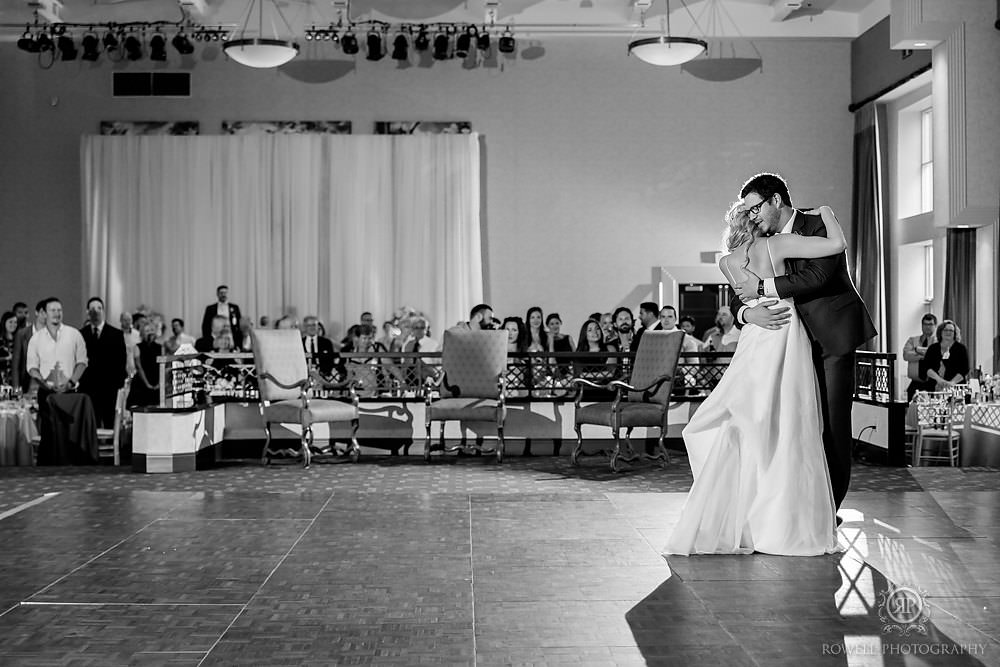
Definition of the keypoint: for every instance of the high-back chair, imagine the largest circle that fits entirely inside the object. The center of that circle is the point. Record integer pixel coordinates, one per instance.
(285, 393)
(939, 413)
(641, 401)
(109, 439)
(471, 386)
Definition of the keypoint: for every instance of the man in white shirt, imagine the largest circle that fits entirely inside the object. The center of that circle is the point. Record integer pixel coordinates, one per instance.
(319, 349)
(688, 375)
(724, 336)
(57, 355)
(421, 342)
(179, 337)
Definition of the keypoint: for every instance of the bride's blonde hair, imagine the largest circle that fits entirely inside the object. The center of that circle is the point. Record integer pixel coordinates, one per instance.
(739, 229)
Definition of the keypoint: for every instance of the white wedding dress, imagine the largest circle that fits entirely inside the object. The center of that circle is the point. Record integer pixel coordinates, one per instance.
(755, 445)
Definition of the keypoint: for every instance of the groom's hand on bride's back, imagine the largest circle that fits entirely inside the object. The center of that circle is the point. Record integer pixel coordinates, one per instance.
(767, 318)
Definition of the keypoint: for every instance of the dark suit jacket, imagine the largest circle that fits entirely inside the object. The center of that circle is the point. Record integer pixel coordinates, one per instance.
(327, 358)
(634, 347)
(105, 359)
(825, 296)
(19, 357)
(234, 321)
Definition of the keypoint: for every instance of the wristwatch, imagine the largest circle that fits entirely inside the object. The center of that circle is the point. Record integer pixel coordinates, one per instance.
(760, 287)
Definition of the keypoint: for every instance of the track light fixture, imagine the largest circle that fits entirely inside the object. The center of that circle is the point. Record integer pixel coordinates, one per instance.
(441, 43)
(91, 47)
(133, 47)
(110, 41)
(483, 40)
(67, 49)
(400, 46)
(158, 48)
(374, 43)
(349, 43)
(44, 42)
(463, 43)
(507, 43)
(182, 44)
(422, 42)
(27, 42)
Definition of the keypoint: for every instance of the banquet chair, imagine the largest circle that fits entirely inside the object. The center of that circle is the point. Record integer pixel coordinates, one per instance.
(938, 415)
(109, 439)
(641, 401)
(285, 395)
(471, 387)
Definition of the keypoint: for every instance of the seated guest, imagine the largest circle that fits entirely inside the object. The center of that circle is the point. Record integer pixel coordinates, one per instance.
(366, 318)
(686, 323)
(607, 321)
(178, 336)
(649, 313)
(225, 309)
(480, 317)
(208, 343)
(624, 324)
(365, 372)
(246, 326)
(145, 387)
(391, 336)
(724, 336)
(21, 312)
(688, 375)
(592, 340)
(537, 339)
(8, 331)
(420, 341)
(517, 336)
(558, 342)
(19, 360)
(946, 362)
(319, 350)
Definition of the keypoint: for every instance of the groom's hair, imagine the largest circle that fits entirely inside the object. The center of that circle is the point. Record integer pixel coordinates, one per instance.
(767, 185)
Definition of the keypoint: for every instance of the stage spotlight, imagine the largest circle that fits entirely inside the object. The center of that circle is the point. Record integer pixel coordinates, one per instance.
(133, 47)
(158, 48)
(110, 41)
(67, 49)
(44, 42)
(422, 42)
(483, 41)
(399, 48)
(349, 43)
(27, 43)
(374, 41)
(463, 43)
(441, 46)
(182, 44)
(91, 47)
(506, 43)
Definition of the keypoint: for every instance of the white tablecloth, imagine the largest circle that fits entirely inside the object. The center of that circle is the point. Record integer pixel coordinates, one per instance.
(17, 429)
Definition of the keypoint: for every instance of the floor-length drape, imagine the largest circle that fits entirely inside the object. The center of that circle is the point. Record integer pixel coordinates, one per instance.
(326, 224)
(960, 285)
(868, 242)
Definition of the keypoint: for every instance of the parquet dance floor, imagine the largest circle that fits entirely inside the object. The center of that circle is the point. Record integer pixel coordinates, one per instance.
(464, 562)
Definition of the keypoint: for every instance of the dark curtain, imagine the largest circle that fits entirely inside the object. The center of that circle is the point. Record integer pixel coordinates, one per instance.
(868, 244)
(960, 285)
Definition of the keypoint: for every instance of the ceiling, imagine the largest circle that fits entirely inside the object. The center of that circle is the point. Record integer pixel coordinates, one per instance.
(729, 18)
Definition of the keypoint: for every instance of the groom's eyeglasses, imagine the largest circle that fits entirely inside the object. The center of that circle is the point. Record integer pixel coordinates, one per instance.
(755, 209)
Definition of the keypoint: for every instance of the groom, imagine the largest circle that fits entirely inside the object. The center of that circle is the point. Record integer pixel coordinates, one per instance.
(828, 304)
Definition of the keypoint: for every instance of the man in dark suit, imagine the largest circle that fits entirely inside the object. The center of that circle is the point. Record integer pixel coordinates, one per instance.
(319, 349)
(649, 318)
(827, 302)
(105, 373)
(19, 360)
(223, 308)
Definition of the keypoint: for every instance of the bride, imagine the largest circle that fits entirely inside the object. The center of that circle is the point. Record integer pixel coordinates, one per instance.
(755, 445)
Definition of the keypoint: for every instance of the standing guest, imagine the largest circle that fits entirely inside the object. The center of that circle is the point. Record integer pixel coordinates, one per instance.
(320, 352)
(686, 323)
(592, 340)
(8, 330)
(537, 338)
(20, 310)
(421, 341)
(106, 363)
(649, 313)
(207, 343)
(913, 353)
(246, 326)
(19, 360)
(946, 362)
(558, 342)
(607, 321)
(223, 308)
(145, 389)
(132, 337)
(517, 334)
(178, 336)
(668, 322)
(724, 336)
(391, 336)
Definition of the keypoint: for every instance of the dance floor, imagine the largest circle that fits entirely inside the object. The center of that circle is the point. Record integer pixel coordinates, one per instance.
(464, 562)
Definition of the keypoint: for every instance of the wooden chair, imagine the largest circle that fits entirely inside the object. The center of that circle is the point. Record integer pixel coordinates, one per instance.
(109, 439)
(643, 400)
(938, 415)
(471, 387)
(285, 394)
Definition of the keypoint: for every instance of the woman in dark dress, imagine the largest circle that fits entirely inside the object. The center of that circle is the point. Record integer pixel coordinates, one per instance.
(946, 362)
(8, 327)
(145, 390)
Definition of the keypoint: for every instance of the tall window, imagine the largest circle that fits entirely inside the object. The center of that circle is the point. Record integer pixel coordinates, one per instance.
(926, 163)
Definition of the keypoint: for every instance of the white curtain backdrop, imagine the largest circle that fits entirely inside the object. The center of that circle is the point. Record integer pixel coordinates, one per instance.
(331, 225)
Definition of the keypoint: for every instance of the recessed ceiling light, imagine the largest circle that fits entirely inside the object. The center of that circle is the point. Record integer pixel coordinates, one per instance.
(919, 43)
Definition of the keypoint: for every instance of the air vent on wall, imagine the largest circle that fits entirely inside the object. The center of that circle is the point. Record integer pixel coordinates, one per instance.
(151, 84)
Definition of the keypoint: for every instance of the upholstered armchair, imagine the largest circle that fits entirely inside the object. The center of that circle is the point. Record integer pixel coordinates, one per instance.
(285, 394)
(471, 386)
(641, 401)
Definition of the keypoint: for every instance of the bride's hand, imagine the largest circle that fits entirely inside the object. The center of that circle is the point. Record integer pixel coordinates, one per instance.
(747, 289)
(819, 210)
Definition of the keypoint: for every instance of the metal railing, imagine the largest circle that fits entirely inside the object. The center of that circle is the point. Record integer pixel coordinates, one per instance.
(874, 378)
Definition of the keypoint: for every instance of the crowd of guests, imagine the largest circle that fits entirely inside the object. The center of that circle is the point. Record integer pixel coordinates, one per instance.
(129, 352)
(936, 358)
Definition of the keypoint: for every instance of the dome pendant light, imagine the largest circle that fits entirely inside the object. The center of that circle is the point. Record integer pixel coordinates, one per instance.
(261, 52)
(666, 50)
